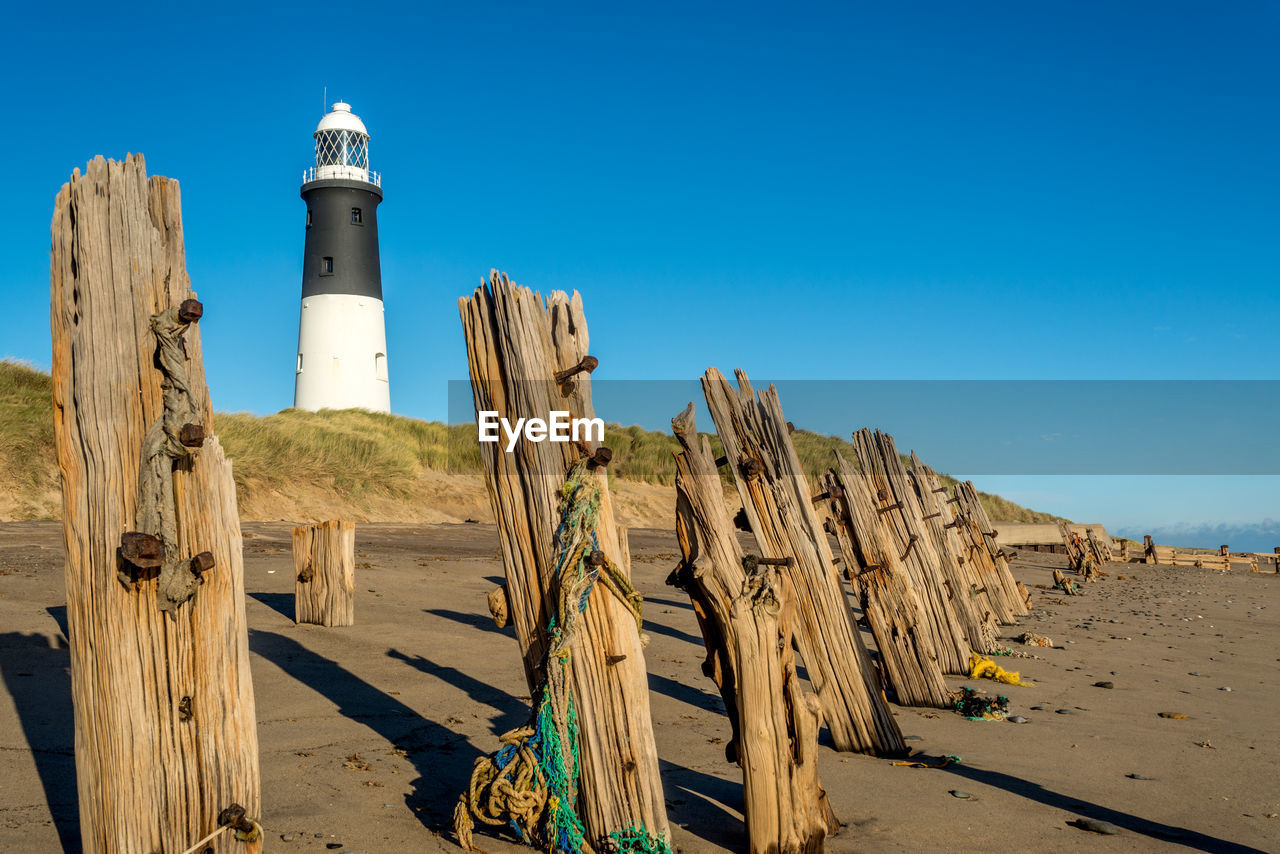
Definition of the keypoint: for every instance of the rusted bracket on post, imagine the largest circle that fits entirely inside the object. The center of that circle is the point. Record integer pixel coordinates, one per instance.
(245, 829)
(751, 562)
(588, 364)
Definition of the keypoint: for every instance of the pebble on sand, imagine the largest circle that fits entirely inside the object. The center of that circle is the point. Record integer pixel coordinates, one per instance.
(1104, 684)
(964, 796)
(1095, 826)
(1016, 719)
(1065, 712)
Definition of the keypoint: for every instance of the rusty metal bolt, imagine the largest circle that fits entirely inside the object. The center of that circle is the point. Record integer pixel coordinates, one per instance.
(884, 510)
(202, 563)
(829, 527)
(954, 523)
(992, 533)
(614, 659)
(191, 435)
(588, 364)
(145, 551)
(882, 494)
(190, 311)
(941, 490)
(934, 515)
(600, 459)
(722, 461)
(596, 558)
(911, 544)
(751, 468)
(954, 500)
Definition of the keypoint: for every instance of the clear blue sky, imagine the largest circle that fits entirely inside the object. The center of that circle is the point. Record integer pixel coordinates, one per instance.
(845, 191)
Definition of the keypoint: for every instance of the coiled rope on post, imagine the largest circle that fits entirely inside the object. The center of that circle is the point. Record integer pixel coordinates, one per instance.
(531, 783)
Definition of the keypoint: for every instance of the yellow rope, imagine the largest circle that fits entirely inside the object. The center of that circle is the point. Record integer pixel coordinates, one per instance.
(985, 668)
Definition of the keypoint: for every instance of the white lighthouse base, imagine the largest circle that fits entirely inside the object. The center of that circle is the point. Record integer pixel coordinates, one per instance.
(342, 354)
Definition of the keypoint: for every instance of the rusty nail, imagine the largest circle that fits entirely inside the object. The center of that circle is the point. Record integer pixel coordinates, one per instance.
(884, 510)
(145, 551)
(954, 523)
(941, 490)
(588, 364)
(934, 515)
(190, 311)
(596, 558)
(202, 563)
(955, 500)
(614, 659)
(722, 461)
(752, 468)
(835, 561)
(601, 458)
(191, 435)
(992, 533)
(882, 494)
(233, 817)
(822, 496)
(829, 527)
(184, 709)
(911, 544)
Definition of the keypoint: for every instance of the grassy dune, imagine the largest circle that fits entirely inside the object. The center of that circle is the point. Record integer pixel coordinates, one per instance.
(344, 458)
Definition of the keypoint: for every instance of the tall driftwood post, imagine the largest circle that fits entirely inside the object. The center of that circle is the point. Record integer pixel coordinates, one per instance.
(527, 358)
(889, 599)
(165, 732)
(776, 721)
(973, 600)
(972, 506)
(778, 502)
(324, 561)
(935, 575)
(960, 535)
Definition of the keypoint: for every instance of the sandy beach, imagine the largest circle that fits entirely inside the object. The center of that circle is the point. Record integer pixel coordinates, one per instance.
(368, 733)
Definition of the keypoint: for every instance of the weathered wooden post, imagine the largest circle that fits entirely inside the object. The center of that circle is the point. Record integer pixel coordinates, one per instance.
(165, 733)
(1148, 550)
(778, 502)
(751, 615)
(972, 504)
(983, 599)
(529, 357)
(324, 563)
(1276, 560)
(888, 596)
(934, 575)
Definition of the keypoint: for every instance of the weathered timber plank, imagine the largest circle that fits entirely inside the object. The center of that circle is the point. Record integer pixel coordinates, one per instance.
(888, 597)
(165, 728)
(775, 721)
(516, 342)
(324, 564)
(934, 575)
(779, 506)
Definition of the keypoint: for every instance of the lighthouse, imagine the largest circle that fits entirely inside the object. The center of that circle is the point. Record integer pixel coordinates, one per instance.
(342, 338)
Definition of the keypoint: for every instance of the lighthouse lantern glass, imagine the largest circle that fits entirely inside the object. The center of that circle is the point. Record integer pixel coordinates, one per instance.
(342, 148)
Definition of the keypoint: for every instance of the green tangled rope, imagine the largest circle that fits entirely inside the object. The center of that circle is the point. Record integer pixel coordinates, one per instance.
(531, 783)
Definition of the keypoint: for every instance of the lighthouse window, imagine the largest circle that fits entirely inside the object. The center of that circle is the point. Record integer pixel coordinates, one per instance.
(326, 266)
(356, 217)
(308, 217)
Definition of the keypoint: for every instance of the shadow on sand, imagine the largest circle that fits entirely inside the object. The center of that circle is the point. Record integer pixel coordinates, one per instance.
(1085, 809)
(698, 801)
(35, 670)
(442, 757)
(513, 712)
(281, 603)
